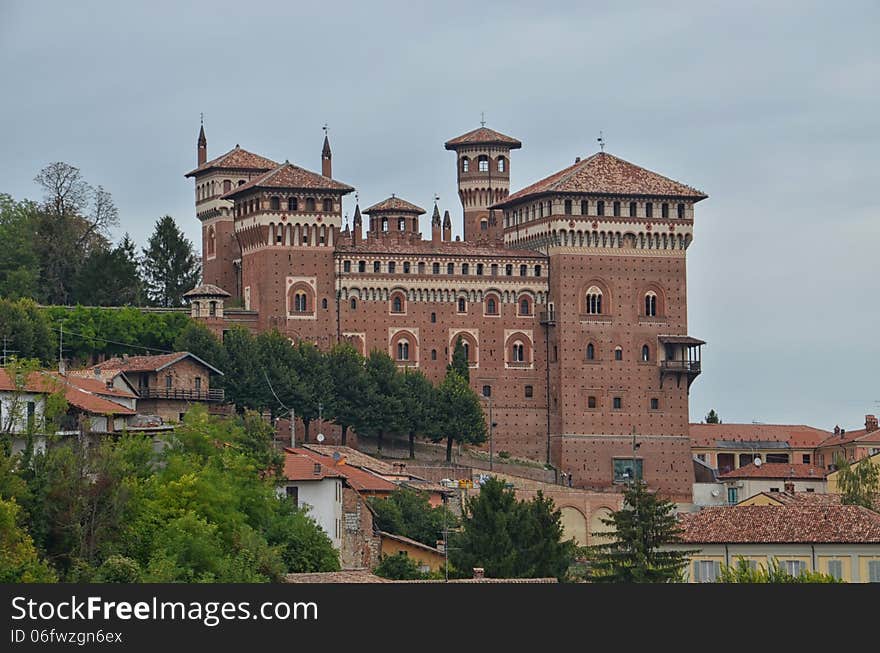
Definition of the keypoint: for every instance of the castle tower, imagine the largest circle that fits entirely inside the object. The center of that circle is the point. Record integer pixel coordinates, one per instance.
(393, 216)
(483, 164)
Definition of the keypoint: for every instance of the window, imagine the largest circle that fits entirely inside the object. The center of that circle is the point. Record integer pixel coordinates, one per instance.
(328, 205)
(617, 403)
(805, 459)
(300, 304)
(518, 353)
(680, 209)
(567, 207)
(461, 305)
(664, 210)
(397, 305)
(275, 203)
(406, 267)
(227, 185)
(616, 209)
(465, 268)
(401, 224)
(465, 164)
(508, 270)
(600, 207)
(403, 350)
(377, 266)
(198, 384)
(292, 204)
(649, 210)
(777, 458)
(421, 267)
(346, 266)
(500, 164)
(435, 268)
(835, 569)
(524, 307)
(491, 306)
(385, 225)
(483, 163)
(324, 303)
(655, 403)
(487, 390)
(585, 207)
(212, 309)
(450, 268)
(362, 266)
(732, 496)
(874, 571)
(646, 353)
(310, 204)
(618, 353)
(353, 303)
(591, 352)
(633, 211)
(494, 269)
(523, 270)
(433, 317)
(794, 567)
(292, 494)
(706, 571)
(591, 402)
(651, 304)
(433, 354)
(168, 382)
(467, 350)
(32, 414)
(623, 469)
(479, 269)
(392, 266)
(594, 301)
(484, 225)
(537, 270)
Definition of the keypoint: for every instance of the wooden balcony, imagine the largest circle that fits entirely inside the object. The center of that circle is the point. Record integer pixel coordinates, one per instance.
(180, 394)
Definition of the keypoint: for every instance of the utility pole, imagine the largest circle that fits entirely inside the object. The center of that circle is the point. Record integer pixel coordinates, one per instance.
(7, 351)
(61, 350)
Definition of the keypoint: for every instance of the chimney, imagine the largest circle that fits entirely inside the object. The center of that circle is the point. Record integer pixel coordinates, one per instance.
(577, 159)
(479, 573)
(441, 545)
(789, 487)
(870, 423)
(836, 430)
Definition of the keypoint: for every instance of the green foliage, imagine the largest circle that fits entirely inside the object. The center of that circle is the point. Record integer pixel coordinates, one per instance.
(200, 341)
(459, 415)
(712, 417)
(399, 567)
(19, 265)
(110, 277)
(510, 538)
(859, 483)
(19, 560)
(350, 387)
(459, 362)
(243, 380)
(118, 569)
(170, 264)
(386, 410)
(419, 406)
(408, 512)
(742, 572)
(640, 530)
(26, 330)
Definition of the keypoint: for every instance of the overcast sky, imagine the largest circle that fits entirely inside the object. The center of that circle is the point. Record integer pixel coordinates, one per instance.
(771, 108)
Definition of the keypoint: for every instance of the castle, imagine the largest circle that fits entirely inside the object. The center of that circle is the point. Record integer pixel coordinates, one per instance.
(569, 295)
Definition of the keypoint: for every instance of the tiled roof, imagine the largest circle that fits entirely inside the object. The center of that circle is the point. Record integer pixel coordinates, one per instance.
(207, 290)
(797, 436)
(381, 246)
(288, 175)
(359, 479)
(299, 467)
(796, 522)
(606, 174)
(354, 457)
(51, 382)
(236, 159)
(483, 136)
(861, 435)
(797, 471)
(149, 363)
(345, 576)
(394, 204)
(83, 380)
(411, 542)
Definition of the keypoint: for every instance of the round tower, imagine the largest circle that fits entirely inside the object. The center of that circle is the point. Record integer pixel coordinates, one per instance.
(483, 164)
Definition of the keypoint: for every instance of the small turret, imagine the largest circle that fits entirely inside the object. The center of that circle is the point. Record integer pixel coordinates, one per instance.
(203, 146)
(326, 157)
(447, 227)
(435, 226)
(356, 225)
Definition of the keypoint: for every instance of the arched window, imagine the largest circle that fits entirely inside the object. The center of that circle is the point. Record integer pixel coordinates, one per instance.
(328, 205)
(353, 303)
(310, 204)
(212, 241)
(467, 350)
(491, 306)
(461, 305)
(275, 204)
(646, 353)
(508, 270)
(292, 204)
(483, 163)
(524, 307)
(377, 267)
(212, 309)
(591, 352)
(500, 164)
(681, 211)
(594, 301)
(397, 304)
(406, 267)
(450, 268)
(618, 353)
(518, 354)
(401, 224)
(402, 350)
(651, 304)
(433, 354)
(384, 224)
(484, 225)
(465, 164)
(227, 185)
(600, 208)
(300, 302)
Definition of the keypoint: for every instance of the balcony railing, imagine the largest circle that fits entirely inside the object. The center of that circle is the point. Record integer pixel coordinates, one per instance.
(181, 394)
(690, 367)
(547, 317)
(523, 364)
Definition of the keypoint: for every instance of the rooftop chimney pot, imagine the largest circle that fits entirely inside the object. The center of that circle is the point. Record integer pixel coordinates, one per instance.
(479, 572)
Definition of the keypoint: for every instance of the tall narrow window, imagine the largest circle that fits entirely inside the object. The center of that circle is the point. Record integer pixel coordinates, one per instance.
(406, 267)
(362, 266)
(664, 210)
(292, 204)
(537, 270)
(483, 163)
(328, 205)
(450, 268)
(600, 207)
(518, 352)
(618, 353)
(397, 305)
(585, 207)
(508, 270)
(403, 350)
(491, 306)
(567, 207)
(651, 304)
(275, 204)
(594, 301)
(461, 305)
(353, 303)
(377, 267)
(494, 269)
(591, 402)
(465, 268)
(617, 403)
(591, 352)
(524, 307)
(465, 164)
(479, 269)
(523, 270)
(310, 204)
(435, 268)
(649, 210)
(616, 208)
(299, 302)
(500, 164)
(680, 210)
(646, 353)
(392, 266)
(632, 209)
(401, 224)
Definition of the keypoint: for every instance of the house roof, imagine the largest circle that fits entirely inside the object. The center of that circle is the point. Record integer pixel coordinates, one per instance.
(796, 471)
(289, 176)
(395, 204)
(764, 435)
(82, 379)
(359, 479)
(860, 435)
(300, 467)
(345, 576)
(235, 159)
(354, 457)
(411, 542)
(207, 290)
(606, 174)
(796, 522)
(150, 363)
(483, 136)
(51, 382)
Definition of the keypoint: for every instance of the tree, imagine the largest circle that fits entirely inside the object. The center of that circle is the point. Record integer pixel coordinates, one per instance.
(408, 512)
(312, 393)
(635, 554)
(399, 567)
(19, 559)
(26, 331)
(19, 265)
(859, 483)
(110, 277)
(243, 379)
(459, 415)
(712, 417)
(510, 538)
(200, 341)
(350, 387)
(419, 406)
(170, 264)
(460, 360)
(742, 572)
(385, 402)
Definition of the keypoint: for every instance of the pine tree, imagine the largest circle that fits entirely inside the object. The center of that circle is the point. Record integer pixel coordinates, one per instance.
(460, 360)
(110, 277)
(420, 399)
(641, 529)
(170, 264)
(712, 417)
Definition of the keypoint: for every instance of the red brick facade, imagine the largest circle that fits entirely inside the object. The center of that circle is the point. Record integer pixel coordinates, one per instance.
(592, 257)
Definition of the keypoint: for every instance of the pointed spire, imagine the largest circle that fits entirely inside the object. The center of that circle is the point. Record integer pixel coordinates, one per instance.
(326, 156)
(447, 221)
(203, 142)
(435, 218)
(447, 227)
(357, 214)
(356, 223)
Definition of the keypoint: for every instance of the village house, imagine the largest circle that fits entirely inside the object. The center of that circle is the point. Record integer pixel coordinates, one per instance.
(727, 447)
(851, 445)
(753, 479)
(428, 558)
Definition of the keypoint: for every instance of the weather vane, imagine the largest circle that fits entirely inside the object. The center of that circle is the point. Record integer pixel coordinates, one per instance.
(325, 128)
(201, 118)
(436, 198)
(482, 118)
(357, 197)
(601, 140)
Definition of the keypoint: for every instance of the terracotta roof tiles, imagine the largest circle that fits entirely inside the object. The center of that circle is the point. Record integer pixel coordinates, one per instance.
(51, 382)
(796, 471)
(236, 159)
(395, 204)
(290, 176)
(149, 363)
(359, 479)
(483, 136)
(796, 436)
(300, 467)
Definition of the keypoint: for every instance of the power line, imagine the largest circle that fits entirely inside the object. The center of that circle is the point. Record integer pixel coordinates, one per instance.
(63, 331)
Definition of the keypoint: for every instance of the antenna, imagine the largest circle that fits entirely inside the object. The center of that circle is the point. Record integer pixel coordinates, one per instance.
(202, 119)
(482, 118)
(61, 369)
(325, 128)
(601, 140)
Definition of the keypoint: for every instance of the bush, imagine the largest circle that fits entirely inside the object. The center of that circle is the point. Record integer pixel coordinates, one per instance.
(399, 567)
